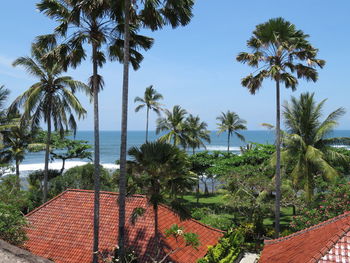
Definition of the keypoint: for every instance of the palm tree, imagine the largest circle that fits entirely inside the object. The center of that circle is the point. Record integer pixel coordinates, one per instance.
(150, 101)
(308, 143)
(91, 23)
(196, 132)
(153, 15)
(52, 99)
(157, 163)
(231, 123)
(278, 51)
(174, 124)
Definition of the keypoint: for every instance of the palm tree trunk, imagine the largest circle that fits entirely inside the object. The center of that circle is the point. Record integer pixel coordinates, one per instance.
(96, 157)
(147, 124)
(156, 238)
(18, 180)
(228, 141)
(193, 151)
(122, 179)
(198, 190)
(47, 155)
(278, 161)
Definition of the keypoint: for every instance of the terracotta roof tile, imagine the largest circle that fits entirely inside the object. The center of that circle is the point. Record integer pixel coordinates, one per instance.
(62, 228)
(326, 242)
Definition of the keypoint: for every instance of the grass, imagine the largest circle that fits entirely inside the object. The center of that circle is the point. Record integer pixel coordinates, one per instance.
(216, 202)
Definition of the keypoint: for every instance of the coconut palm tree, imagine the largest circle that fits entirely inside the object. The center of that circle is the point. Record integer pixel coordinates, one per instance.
(91, 22)
(196, 132)
(308, 143)
(231, 123)
(157, 163)
(153, 15)
(52, 99)
(279, 50)
(174, 124)
(150, 101)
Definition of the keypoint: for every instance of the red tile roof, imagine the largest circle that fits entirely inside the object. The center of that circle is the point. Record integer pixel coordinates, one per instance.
(62, 228)
(326, 242)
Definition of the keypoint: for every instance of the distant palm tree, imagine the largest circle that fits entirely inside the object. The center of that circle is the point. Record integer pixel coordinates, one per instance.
(157, 163)
(150, 101)
(278, 51)
(307, 142)
(52, 99)
(196, 132)
(174, 124)
(231, 123)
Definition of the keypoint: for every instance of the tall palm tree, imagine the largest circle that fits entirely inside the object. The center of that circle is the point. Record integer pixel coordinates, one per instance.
(174, 124)
(278, 51)
(308, 143)
(92, 23)
(157, 163)
(150, 101)
(196, 132)
(52, 99)
(231, 123)
(153, 15)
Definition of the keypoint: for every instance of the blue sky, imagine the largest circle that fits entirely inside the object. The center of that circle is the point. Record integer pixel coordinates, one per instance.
(195, 66)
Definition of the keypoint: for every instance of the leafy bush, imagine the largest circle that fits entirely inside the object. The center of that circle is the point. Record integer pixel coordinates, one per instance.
(227, 250)
(79, 177)
(327, 205)
(222, 221)
(12, 223)
(199, 213)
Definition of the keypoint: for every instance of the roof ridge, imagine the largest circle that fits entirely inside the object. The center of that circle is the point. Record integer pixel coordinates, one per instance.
(321, 224)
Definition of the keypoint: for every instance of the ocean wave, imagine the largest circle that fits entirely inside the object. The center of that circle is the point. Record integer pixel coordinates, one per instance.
(221, 148)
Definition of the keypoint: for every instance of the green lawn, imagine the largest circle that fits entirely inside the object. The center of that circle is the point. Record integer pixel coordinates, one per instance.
(221, 217)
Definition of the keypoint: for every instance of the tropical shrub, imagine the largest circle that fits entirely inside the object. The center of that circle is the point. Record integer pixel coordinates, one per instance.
(227, 250)
(12, 223)
(79, 177)
(329, 204)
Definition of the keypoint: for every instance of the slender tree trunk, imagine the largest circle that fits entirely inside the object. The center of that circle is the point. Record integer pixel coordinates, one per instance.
(124, 126)
(193, 151)
(63, 164)
(278, 161)
(198, 190)
(212, 185)
(47, 155)
(228, 142)
(156, 237)
(147, 124)
(18, 180)
(96, 157)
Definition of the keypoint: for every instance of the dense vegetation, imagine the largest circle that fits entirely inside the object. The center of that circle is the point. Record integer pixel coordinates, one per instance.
(299, 181)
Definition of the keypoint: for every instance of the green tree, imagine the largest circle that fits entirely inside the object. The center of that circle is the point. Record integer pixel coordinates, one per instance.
(278, 51)
(153, 15)
(231, 123)
(174, 124)
(90, 22)
(157, 163)
(196, 132)
(150, 101)
(308, 143)
(71, 149)
(52, 98)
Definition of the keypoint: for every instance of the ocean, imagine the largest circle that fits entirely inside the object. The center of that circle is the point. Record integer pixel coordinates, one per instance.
(110, 145)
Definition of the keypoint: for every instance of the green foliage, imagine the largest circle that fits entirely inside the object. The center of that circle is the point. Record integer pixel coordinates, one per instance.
(176, 231)
(12, 223)
(328, 204)
(220, 221)
(227, 250)
(80, 177)
(11, 195)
